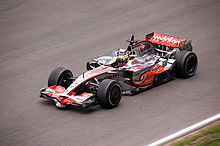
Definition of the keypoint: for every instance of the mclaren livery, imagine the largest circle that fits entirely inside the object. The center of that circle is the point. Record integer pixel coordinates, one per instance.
(144, 64)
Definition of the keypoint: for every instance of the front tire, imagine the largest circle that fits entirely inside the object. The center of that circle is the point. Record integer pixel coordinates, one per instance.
(59, 76)
(186, 64)
(109, 93)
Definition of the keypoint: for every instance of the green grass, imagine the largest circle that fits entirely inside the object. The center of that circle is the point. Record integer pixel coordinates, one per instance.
(210, 137)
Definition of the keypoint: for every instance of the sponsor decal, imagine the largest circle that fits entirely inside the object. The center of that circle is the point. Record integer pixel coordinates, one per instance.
(166, 40)
(60, 90)
(97, 70)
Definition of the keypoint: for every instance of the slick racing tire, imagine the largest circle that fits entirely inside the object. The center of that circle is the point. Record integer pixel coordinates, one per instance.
(186, 64)
(59, 76)
(109, 93)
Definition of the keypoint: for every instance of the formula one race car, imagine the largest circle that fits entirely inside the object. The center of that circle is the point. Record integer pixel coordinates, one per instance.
(144, 64)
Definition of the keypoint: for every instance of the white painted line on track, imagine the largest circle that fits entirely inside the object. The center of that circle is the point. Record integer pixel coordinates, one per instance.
(185, 131)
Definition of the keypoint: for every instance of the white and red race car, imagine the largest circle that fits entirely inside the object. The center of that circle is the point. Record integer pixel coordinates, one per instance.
(144, 64)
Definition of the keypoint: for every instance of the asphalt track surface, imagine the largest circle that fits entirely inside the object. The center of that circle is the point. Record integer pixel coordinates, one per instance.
(36, 36)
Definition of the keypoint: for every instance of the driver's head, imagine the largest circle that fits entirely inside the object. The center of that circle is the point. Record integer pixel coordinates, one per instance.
(122, 58)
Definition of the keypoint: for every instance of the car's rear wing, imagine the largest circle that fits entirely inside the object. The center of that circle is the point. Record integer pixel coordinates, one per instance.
(169, 41)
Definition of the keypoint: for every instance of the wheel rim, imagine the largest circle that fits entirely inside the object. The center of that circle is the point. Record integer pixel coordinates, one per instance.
(191, 65)
(115, 95)
(63, 80)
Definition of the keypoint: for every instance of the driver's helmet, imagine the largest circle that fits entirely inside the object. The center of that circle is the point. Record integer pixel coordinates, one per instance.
(122, 58)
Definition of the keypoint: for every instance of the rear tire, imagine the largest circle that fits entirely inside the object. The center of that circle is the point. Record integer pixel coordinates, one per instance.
(59, 76)
(186, 64)
(109, 93)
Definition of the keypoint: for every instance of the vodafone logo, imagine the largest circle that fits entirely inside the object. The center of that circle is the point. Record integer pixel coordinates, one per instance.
(166, 39)
(59, 89)
(162, 39)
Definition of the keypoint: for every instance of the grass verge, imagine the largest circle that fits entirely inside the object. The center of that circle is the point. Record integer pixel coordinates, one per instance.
(209, 137)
